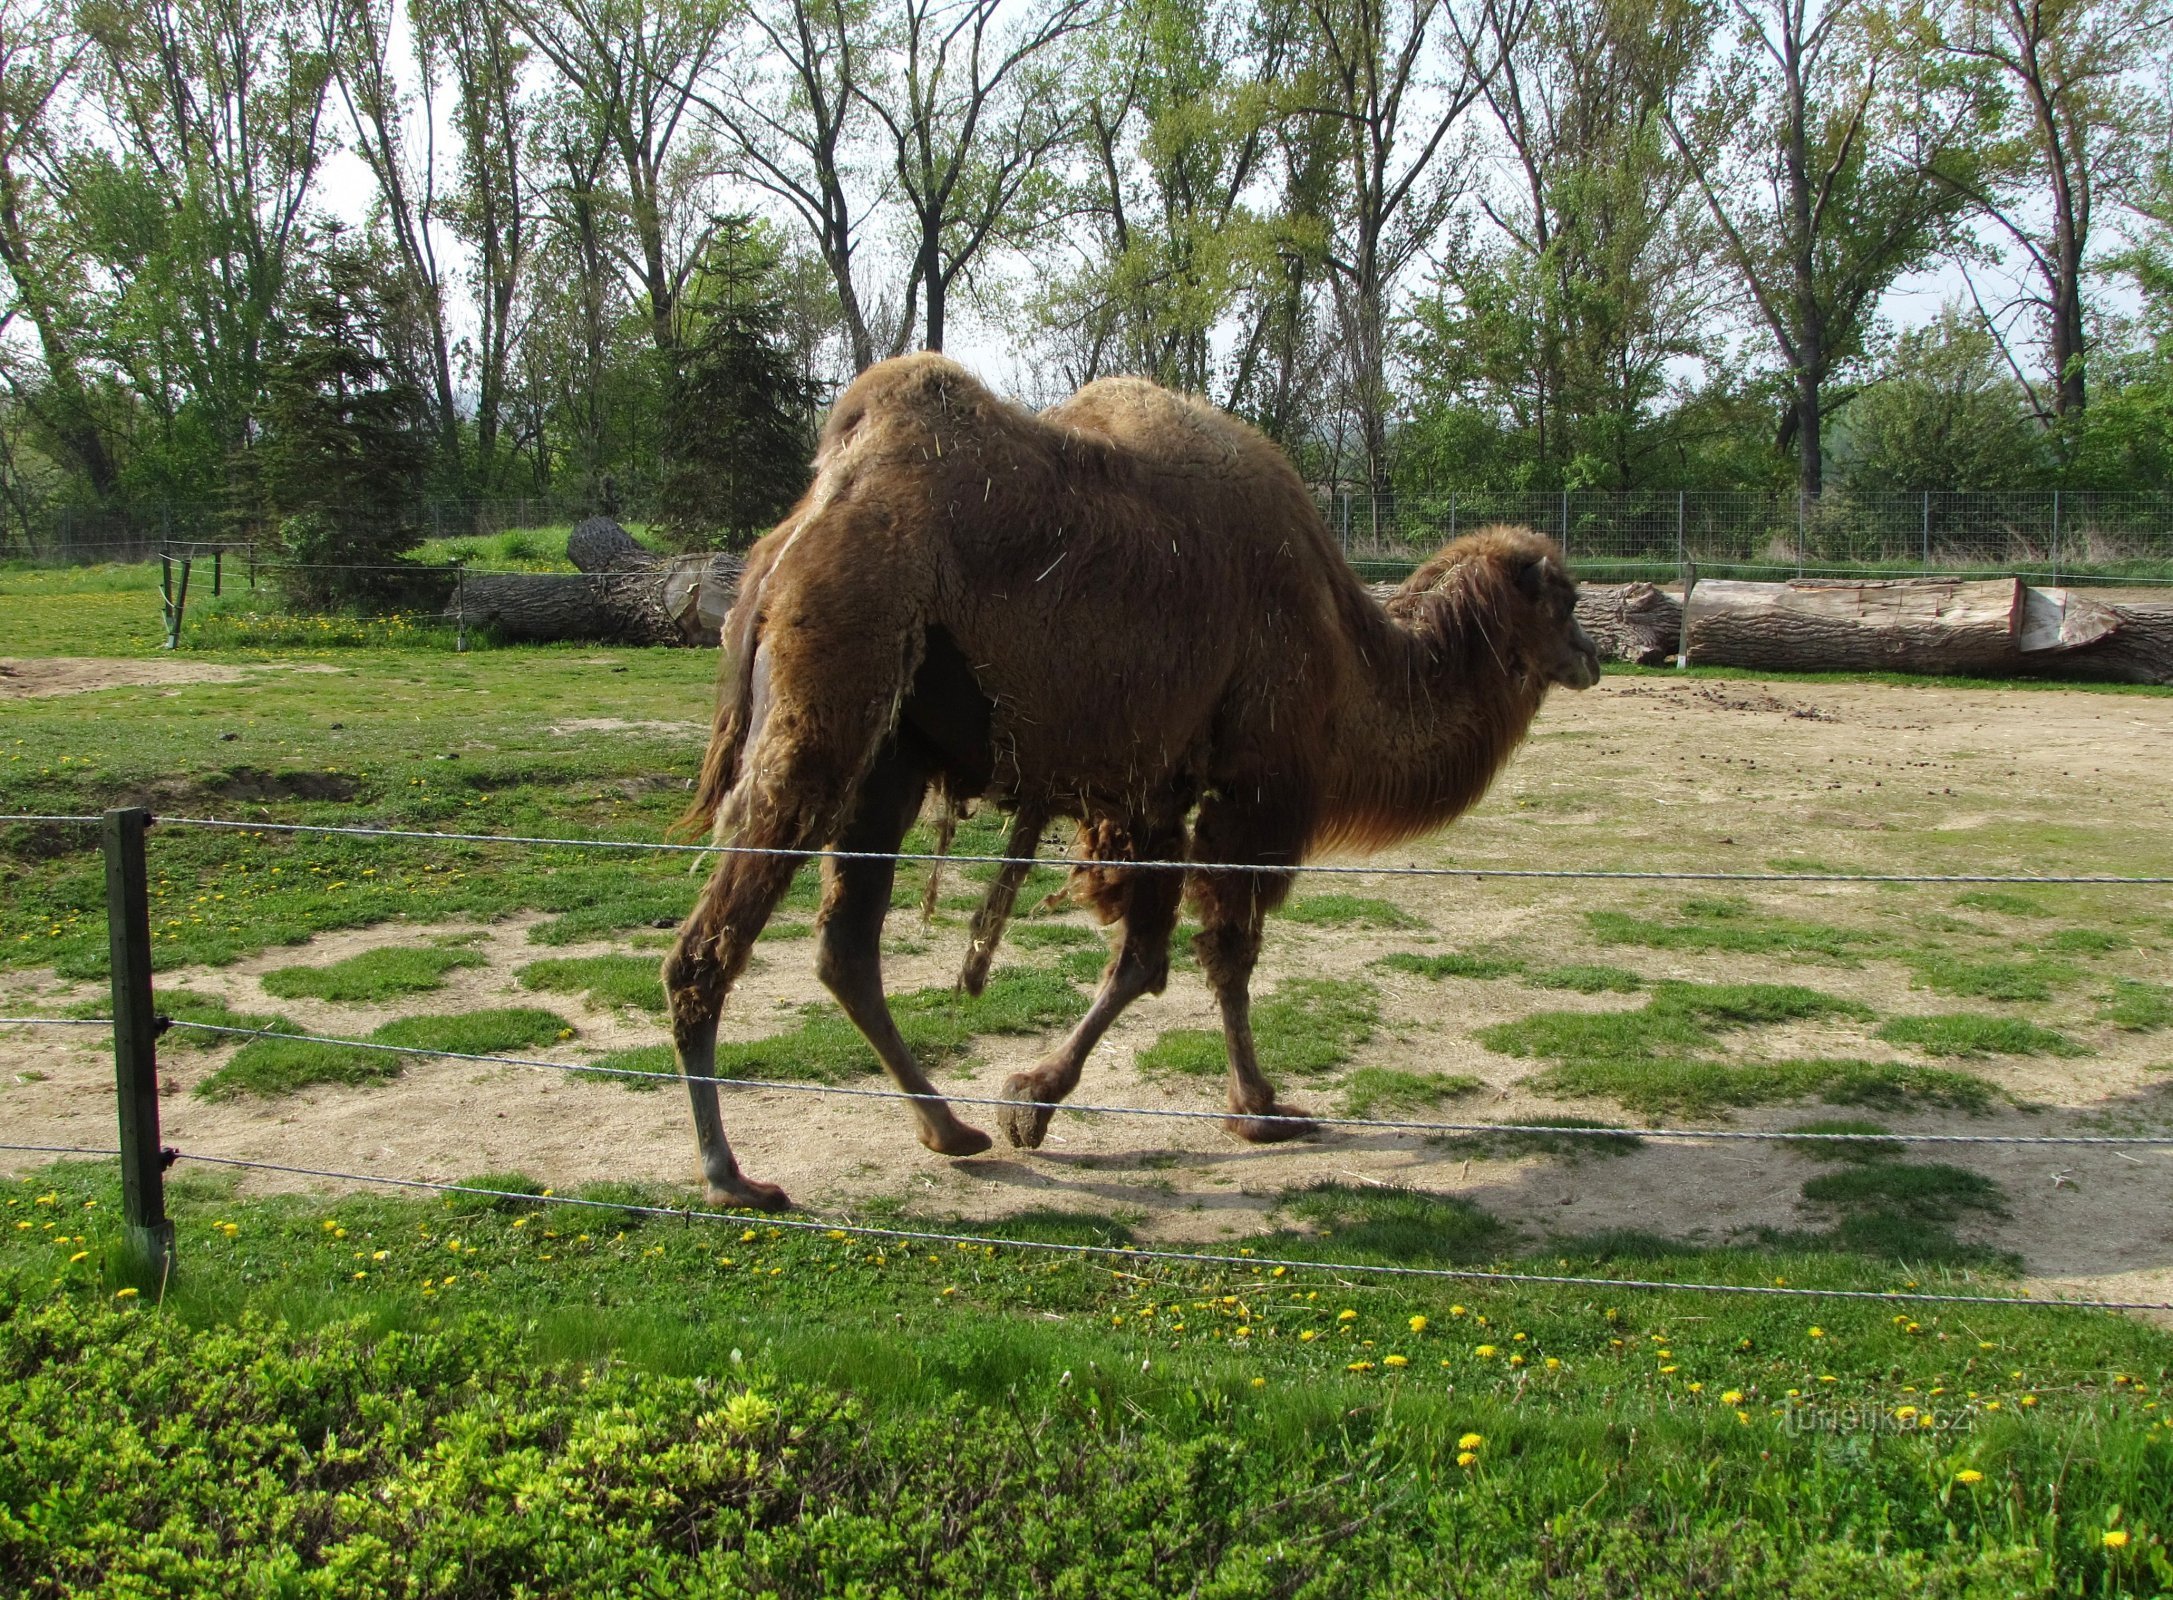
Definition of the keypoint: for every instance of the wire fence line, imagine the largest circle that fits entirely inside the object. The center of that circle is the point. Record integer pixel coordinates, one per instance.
(1173, 1113)
(1134, 1254)
(1327, 869)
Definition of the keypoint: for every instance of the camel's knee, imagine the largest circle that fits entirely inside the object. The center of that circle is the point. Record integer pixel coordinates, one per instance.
(1227, 954)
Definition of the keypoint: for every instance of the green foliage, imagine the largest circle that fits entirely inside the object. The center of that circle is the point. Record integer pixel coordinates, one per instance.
(269, 1067)
(1974, 1034)
(344, 454)
(186, 1005)
(1587, 979)
(1456, 965)
(2084, 941)
(1307, 1027)
(1349, 911)
(739, 412)
(1406, 1225)
(2004, 902)
(1394, 1092)
(1848, 1149)
(1944, 414)
(374, 974)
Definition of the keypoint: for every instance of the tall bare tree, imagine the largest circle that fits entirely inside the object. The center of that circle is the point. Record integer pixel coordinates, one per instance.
(972, 115)
(1400, 76)
(2070, 67)
(1831, 164)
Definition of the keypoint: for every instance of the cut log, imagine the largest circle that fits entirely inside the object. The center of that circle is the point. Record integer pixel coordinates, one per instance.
(1631, 622)
(1932, 626)
(671, 601)
(2138, 649)
(597, 544)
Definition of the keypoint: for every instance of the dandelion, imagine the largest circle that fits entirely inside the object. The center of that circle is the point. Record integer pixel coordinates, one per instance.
(1969, 1475)
(1904, 1413)
(2027, 1400)
(1418, 1324)
(1471, 1441)
(1260, 1383)
(1733, 1397)
(1697, 1388)
(2116, 1539)
(124, 1294)
(1466, 1458)
(1456, 1311)
(1307, 1337)
(1395, 1361)
(1484, 1352)
(1346, 1316)
(1554, 1363)
(1818, 1333)
(1359, 1366)
(1670, 1367)
(80, 1255)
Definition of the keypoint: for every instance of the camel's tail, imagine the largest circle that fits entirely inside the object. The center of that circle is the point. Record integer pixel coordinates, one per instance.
(729, 728)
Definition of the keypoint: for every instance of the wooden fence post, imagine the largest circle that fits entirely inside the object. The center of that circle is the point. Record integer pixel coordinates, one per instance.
(135, 1038)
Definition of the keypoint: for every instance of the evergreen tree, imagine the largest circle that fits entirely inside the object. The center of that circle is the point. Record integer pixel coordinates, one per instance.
(739, 414)
(345, 445)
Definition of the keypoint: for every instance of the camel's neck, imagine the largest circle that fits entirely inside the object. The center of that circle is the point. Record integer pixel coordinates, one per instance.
(1436, 708)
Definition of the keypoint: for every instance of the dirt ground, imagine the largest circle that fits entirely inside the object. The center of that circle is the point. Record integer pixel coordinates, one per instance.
(36, 677)
(1858, 776)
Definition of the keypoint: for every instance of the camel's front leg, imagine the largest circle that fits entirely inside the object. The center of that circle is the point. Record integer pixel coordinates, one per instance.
(1140, 966)
(710, 954)
(1228, 946)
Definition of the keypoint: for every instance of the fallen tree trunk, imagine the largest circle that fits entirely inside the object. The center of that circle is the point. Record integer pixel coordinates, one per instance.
(1994, 627)
(1632, 622)
(624, 594)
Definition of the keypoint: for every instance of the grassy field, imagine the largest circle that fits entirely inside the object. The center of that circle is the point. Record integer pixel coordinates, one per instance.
(356, 1394)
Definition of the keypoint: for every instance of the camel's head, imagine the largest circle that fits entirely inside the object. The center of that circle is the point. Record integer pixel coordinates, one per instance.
(1506, 591)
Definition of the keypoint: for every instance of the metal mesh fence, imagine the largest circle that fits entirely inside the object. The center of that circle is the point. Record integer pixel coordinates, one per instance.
(73, 536)
(2070, 534)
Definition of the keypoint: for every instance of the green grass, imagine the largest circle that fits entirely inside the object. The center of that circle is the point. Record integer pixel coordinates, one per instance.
(1510, 1144)
(609, 983)
(1463, 964)
(1349, 911)
(1307, 1027)
(1396, 1092)
(1974, 1034)
(374, 974)
(1927, 1192)
(2136, 1006)
(2004, 901)
(1991, 980)
(1052, 936)
(187, 1005)
(1655, 1059)
(526, 1398)
(1732, 927)
(1587, 979)
(265, 1068)
(2085, 941)
(1853, 1150)
(939, 1026)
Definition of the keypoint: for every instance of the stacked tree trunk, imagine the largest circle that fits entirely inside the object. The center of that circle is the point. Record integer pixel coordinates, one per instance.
(622, 594)
(1990, 627)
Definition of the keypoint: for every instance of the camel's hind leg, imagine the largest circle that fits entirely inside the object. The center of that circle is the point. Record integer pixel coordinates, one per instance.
(1233, 908)
(849, 930)
(1140, 966)
(995, 908)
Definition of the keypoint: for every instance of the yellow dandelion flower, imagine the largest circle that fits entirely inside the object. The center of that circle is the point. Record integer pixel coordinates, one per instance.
(1818, 1333)
(1456, 1311)
(2027, 1400)
(1307, 1337)
(1697, 1388)
(1466, 1458)
(2116, 1539)
(1516, 1361)
(1904, 1413)
(1969, 1475)
(80, 1255)
(1418, 1324)
(1471, 1441)
(124, 1294)
(1554, 1363)
(1733, 1397)
(1484, 1352)
(1395, 1361)
(1359, 1366)
(1671, 1367)
(1260, 1383)
(1346, 1316)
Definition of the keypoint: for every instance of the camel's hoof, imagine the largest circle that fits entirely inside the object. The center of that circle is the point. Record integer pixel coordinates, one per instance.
(750, 1194)
(1285, 1123)
(1027, 1124)
(956, 1140)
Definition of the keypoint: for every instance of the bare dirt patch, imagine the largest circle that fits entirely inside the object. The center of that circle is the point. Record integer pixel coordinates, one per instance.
(1735, 775)
(39, 677)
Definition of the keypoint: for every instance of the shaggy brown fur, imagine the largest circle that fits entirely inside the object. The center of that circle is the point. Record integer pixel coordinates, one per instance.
(1122, 612)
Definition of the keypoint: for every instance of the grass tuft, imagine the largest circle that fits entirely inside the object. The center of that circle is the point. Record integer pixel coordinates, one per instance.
(1587, 979)
(1972, 1034)
(374, 974)
(1403, 1225)
(1732, 927)
(1854, 1150)
(2136, 1006)
(1691, 1086)
(609, 983)
(1991, 980)
(1509, 1144)
(1308, 1026)
(1391, 1091)
(1349, 911)
(2085, 941)
(269, 1067)
(1461, 964)
(2004, 902)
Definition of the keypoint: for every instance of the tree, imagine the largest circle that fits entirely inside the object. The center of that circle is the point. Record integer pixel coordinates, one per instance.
(1944, 414)
(2070, 66)
(739, 420)
(971, 116)
(345, 446)
(1398, 88)
(1830, 164)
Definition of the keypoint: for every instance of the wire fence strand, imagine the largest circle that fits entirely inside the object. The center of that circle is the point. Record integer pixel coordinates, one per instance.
(1134, 1253)
(1327, 869)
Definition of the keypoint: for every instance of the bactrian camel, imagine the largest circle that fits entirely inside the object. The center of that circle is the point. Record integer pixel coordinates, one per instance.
(1126, 611)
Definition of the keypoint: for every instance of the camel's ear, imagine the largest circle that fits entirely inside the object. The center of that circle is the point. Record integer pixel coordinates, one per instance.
(1532, 577)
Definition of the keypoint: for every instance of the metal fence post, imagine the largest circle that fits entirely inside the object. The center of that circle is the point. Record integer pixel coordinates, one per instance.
(1682, 642)
(2056, 536)
(1565, 524)
(1452, 514)
(1680, 554)
(135, 1039)
(1800, 536)
(1927, 527)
